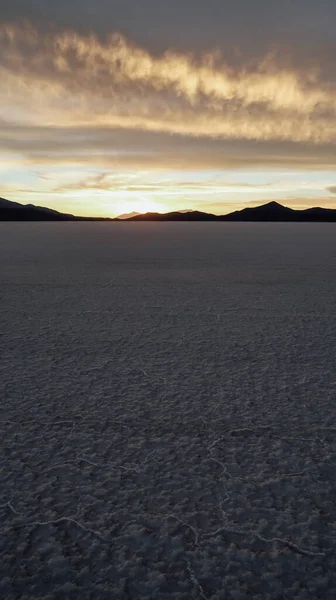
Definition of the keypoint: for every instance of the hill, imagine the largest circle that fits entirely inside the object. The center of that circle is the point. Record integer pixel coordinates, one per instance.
(13, 211)
(270, 212)
(126, 216)
(193, 215)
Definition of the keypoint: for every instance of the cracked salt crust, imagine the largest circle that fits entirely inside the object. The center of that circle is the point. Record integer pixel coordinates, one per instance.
(168, 411)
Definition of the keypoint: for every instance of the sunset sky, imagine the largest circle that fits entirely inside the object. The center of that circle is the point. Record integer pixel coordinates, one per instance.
(113, 106)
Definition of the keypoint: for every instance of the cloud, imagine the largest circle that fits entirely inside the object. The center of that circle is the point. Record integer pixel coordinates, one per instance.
(148, 183)
(101, 181)
(243, 30)
(332, 189)
(66, 79)
(116, 148)
(304, 202)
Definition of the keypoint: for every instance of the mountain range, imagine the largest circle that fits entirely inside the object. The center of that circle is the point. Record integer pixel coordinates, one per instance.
(14, 211)
(272, 211)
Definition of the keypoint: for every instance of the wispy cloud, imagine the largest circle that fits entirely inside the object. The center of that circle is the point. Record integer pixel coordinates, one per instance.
(133, 183)
(36, 146)
(304, 202)
(101, 181)
(66, 79)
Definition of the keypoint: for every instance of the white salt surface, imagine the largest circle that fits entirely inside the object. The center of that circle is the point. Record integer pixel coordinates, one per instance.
(168, 411)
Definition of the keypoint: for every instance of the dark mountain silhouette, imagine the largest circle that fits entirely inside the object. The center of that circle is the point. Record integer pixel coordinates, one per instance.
(137, 214)
(13, 211)
(193, 215)
(270, 212)
(126, 216)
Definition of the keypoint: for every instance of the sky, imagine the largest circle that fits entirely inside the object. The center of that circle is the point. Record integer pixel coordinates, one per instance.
(114, 106)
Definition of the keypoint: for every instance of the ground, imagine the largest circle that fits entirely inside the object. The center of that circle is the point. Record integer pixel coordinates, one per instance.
(168, 417)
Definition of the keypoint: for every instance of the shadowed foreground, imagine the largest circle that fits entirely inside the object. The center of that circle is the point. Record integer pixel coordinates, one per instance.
(168, 411)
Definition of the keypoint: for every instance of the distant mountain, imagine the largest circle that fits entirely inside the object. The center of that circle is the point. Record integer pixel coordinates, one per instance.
(137, 214)
(127, 216)
(13, 211)
(270, 212)
(273, 211)
(192, 215)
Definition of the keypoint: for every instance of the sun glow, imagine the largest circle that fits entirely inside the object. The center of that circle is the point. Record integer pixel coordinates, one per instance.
(141, 205)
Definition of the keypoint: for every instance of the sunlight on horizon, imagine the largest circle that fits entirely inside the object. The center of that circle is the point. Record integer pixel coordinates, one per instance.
(113, 192)
(139, 205)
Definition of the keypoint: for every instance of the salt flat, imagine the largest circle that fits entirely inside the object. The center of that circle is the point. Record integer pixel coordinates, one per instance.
(168, 411)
